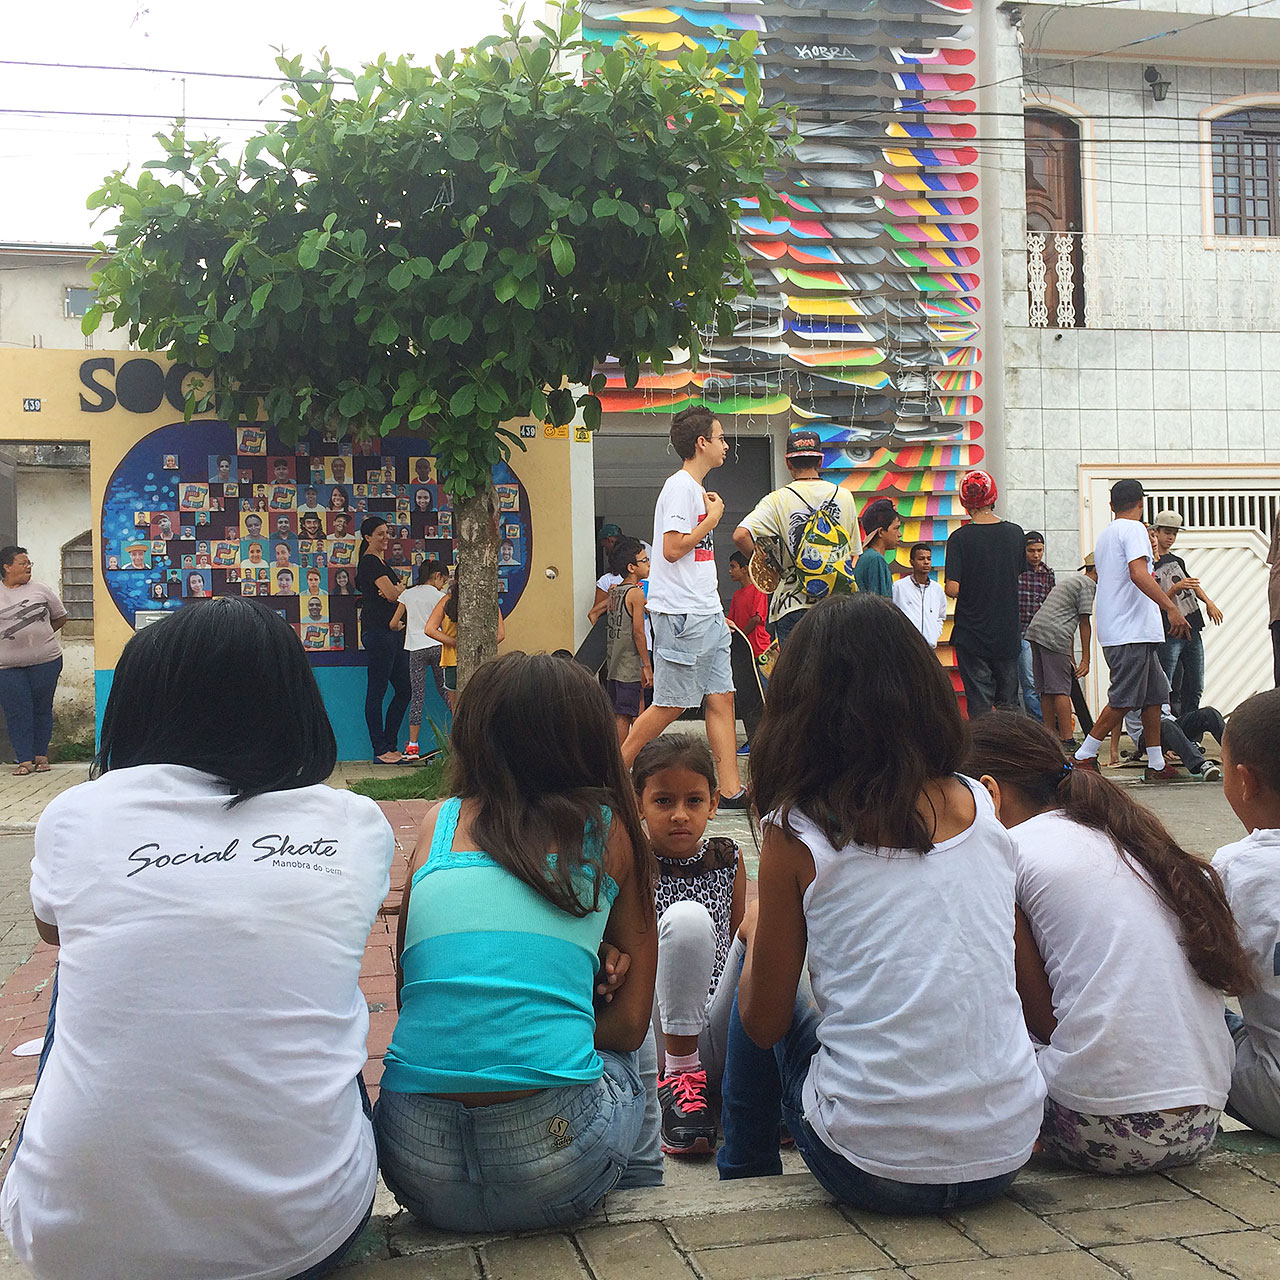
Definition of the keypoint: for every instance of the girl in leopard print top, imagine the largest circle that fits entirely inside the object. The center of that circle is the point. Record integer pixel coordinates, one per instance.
(700, 896)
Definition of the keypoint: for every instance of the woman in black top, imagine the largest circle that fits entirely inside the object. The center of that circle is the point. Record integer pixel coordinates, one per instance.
(380, 587)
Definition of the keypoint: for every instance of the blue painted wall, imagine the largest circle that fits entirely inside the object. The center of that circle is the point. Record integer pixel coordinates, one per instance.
(342, 689)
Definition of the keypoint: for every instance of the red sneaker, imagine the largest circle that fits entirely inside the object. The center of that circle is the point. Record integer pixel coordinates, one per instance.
(1167, 774)
(1091, 764)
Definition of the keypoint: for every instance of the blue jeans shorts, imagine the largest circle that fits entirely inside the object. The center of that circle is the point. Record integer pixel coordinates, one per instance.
(690, 658)
(542, 1161)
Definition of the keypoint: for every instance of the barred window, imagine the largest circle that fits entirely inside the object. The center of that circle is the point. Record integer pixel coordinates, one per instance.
(1246, 174)
(77, 577)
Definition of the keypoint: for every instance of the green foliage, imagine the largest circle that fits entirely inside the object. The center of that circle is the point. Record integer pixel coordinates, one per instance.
(412, 782)
(444, 247)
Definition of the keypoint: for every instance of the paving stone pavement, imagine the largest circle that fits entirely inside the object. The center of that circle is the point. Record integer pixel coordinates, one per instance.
(1219, 1219)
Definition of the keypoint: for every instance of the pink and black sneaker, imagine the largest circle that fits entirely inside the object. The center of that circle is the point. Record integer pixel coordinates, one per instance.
(688, 1127)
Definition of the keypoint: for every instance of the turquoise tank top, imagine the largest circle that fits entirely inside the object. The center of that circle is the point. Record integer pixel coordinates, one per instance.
(498, 982)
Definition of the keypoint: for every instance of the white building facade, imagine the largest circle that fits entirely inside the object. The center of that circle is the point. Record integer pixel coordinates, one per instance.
(44, 487)
(1136, 148)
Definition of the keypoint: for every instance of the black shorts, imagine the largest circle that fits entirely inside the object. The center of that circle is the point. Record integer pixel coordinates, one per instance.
(626, 696)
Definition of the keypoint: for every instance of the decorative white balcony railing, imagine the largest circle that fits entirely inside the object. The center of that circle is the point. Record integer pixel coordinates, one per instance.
(1103, 280)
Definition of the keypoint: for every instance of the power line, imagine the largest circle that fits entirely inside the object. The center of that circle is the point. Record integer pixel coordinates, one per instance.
(167, 71)
(141, 115)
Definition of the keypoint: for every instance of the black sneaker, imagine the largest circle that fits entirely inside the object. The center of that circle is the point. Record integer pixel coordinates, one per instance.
(688, 1128)
(740, 801)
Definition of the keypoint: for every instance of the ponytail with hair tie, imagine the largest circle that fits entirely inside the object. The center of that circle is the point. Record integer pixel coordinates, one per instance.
(1025, 757)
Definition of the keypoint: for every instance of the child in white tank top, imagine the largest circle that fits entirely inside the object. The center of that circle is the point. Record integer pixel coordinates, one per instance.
(1125, 943)
(908, 1082)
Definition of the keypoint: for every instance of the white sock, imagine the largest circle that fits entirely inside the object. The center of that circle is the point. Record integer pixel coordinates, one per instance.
(678, 1064)
(1089, 748)
(1155, 757)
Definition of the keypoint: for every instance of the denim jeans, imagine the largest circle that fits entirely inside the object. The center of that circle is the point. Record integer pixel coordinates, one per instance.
(1172, 738)
(388, 664)
(988, 682)
(542, 1161)
(1191, 653)
(26, 697)
(786, 624)
(1025, 678)
(755, 1099)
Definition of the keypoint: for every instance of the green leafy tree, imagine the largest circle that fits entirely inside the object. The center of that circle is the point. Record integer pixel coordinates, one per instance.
(448, 248)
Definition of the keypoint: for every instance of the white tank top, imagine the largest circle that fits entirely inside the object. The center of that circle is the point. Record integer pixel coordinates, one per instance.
(924, 1071)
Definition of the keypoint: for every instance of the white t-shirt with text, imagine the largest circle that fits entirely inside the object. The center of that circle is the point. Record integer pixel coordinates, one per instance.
(198, 1114)
(1125, 615)
(687, 585)
(1137, 1029)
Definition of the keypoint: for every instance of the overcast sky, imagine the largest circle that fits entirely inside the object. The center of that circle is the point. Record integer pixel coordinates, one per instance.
(50, 163)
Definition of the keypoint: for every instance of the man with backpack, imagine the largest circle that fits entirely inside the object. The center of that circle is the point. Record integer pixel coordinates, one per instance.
(808, 529)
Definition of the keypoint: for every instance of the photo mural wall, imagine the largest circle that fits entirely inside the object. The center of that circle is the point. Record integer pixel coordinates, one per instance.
(866, 322)
(201, 509)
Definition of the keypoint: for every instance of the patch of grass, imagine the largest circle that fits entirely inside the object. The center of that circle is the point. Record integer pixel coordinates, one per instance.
(412, 782)
(73, 751)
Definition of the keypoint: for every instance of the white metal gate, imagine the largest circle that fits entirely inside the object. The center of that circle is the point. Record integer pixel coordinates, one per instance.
(1228, 513)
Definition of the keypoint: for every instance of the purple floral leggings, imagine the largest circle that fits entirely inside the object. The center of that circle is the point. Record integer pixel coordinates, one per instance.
(1137, 1142)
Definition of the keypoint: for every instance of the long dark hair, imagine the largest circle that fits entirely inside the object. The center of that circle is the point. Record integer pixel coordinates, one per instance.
(535, 747)
(1025, 757)
(860, 717)
(223, 686)
(370, 524)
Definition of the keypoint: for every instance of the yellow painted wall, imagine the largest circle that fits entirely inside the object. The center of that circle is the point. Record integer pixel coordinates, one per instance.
(542, 619)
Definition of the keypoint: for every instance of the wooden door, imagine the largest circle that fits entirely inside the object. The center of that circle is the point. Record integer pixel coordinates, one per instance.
(1054, 204)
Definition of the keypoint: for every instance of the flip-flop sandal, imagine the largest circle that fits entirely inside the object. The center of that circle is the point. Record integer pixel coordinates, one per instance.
(23, 770)
(42, 766)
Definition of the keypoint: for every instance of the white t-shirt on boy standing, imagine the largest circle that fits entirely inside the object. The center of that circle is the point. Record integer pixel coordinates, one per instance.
(198, 1114)
(1125, 614)
(687, 585)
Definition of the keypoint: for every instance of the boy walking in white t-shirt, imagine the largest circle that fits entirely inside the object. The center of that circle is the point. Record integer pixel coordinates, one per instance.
(1129, 604)
(690, 634)
(1250, 871)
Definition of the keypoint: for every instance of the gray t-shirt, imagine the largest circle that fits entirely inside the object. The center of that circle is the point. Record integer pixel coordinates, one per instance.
(1054, 626)
(27, 614)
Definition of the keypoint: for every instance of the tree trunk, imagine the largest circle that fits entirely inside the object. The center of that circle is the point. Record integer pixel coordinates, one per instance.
(477, 579)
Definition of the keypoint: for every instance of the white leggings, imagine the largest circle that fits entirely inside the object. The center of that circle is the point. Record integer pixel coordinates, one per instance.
(686, 965)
